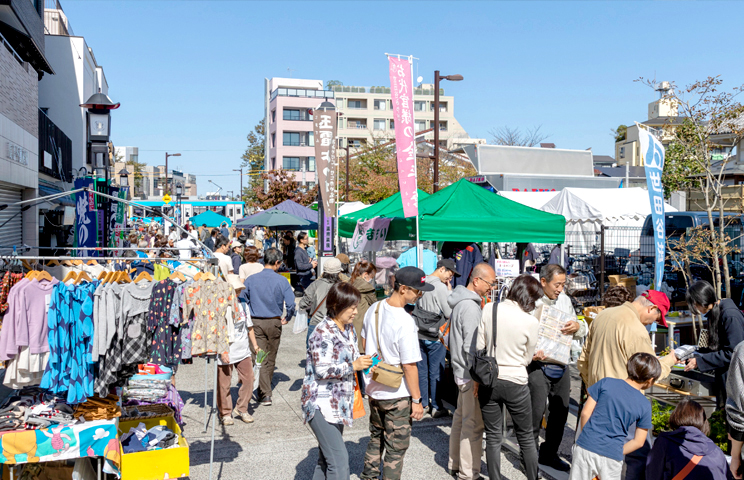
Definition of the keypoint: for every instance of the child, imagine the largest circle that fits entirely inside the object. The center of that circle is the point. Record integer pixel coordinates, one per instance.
(686, 448)
(613, 407)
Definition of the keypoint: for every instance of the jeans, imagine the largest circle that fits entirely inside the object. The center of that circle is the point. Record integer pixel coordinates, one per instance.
(516, 398)
(310, 330)
(556, 391)
(431, 371)
(333, 459)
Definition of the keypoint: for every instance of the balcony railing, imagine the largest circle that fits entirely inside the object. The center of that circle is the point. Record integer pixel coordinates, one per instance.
(358, 126)
(55, 20)
(298, 92)
(384, 90)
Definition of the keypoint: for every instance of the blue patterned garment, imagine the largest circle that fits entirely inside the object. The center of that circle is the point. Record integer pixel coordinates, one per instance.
(70, 321)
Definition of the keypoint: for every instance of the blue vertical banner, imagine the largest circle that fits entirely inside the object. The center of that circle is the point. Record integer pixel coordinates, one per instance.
(652, 158)
(86, 223)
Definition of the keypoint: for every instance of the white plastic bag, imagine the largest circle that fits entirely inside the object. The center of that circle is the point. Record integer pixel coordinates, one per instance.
(300, 322)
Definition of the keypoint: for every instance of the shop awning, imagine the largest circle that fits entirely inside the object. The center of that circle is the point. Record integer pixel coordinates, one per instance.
(45, 190)
(401, 229)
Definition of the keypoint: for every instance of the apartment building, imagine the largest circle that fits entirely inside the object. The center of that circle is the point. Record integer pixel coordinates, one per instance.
(365, 117)
(153, 182)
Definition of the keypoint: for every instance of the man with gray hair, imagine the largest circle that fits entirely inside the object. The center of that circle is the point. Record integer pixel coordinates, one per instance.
(550, 384)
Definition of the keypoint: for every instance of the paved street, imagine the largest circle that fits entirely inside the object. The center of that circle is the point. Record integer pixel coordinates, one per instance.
(279, 446)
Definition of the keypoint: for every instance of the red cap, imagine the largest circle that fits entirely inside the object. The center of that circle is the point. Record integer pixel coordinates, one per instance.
(661, 301)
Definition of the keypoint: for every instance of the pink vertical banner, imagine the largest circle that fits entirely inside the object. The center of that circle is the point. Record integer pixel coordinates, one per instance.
(401, 89)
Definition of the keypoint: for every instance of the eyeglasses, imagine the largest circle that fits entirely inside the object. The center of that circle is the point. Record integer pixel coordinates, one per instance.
(490, 284)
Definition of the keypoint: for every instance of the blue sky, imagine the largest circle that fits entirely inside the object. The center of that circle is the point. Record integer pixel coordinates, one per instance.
(189, 74)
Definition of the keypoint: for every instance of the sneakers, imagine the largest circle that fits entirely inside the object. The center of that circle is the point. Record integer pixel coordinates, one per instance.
(245, 416)
(555, 463)
(227, 420)
(436, 413)
(266, 401)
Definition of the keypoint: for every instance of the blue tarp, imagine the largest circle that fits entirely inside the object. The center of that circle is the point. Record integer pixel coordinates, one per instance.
(211, 219)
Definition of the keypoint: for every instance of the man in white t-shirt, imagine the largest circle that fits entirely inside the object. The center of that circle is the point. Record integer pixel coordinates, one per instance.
(185, 246)
(221, 247)
(392, 409)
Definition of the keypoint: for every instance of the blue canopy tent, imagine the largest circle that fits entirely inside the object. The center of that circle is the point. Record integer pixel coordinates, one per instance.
(210, 219)
(287, 206)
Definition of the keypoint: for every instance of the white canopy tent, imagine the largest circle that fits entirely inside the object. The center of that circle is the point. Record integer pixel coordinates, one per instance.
(530, 199)
(587, 209)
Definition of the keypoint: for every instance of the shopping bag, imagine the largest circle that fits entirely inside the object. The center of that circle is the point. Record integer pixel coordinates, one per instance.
(358, 411)
(300, 322)
(260, 357)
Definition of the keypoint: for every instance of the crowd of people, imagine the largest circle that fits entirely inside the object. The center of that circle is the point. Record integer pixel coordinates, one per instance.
(395, 350)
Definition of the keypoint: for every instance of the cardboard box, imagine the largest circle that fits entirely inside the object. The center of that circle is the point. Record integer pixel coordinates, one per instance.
(590, 313)
(155, 464)
(624, 280)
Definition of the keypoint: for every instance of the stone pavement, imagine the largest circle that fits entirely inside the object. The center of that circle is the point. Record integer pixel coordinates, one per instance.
(279, 446)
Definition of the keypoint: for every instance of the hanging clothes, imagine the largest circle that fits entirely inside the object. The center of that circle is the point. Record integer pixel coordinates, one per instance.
(9, 280)
(213, 304)
(165, 347)
(466, 257)
(135, 303)
(161, 272)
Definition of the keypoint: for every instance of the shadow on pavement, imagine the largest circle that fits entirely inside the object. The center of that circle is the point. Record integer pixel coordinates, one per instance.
(225, 451)
(296, 385)
(427, 431)
(306, 467)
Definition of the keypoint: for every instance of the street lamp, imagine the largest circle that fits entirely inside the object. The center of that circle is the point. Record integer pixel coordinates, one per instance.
(437, 78)
(179, 192)
(98, 130)
(124, 178)
(241, 181)
(167, 190)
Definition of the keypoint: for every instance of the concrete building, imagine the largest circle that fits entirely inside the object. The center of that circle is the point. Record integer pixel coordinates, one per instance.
(23, 62)
(153, 182)
(77, 76)
(366, 117)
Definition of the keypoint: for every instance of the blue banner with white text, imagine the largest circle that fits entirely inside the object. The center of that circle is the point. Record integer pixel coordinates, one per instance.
(652, 156)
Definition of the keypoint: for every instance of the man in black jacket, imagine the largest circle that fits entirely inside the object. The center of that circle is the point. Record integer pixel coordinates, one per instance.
(304, 266)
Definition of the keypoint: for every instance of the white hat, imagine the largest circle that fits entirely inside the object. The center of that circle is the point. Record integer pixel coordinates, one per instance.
(332, 265)
(235, 282)
(235, 243)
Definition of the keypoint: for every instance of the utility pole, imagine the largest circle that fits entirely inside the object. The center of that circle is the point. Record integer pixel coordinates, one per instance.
(437, 78)
(347, 169)
(166, 191)
(241, 181)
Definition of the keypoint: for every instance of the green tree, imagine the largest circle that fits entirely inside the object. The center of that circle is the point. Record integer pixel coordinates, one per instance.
(333, 83)
(620, 133)
(253, 161)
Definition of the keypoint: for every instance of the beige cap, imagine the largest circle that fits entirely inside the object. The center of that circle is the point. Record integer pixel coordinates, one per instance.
(235, 282)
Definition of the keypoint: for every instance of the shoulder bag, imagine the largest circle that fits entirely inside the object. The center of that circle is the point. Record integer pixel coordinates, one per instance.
(485, 369)
(385, 373)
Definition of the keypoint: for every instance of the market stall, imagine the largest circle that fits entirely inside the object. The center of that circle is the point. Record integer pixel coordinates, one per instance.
(210, 219)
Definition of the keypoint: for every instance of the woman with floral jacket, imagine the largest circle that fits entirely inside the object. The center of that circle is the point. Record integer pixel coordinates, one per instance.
(328, 388)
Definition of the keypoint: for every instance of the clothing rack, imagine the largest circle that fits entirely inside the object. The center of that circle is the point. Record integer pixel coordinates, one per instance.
(210, 263)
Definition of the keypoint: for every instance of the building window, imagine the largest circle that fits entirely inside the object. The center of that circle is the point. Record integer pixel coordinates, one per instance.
(420, 125)
(273, 140)
(442, 107)
(273, 116)
(419, 106)
(291, 139)
(310, 185)
(355, 143)
(340, 103)
(380, 123)
(310, 164)
(357, 123)
(622, 152)
(296, 114)
(357, 104)
(291, 163)
(392, 124)
(442, 126)
(380, 104)
(229, 212)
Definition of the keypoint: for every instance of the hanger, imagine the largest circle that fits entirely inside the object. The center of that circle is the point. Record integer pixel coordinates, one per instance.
(43, 275)
(143, 276)
(92, 262)
(208, 276)
(176, 275)
(71, 275)
(67, 263)
(123, 277)
(102, 275)
(52, 263)
(31, 275)
(82, 276)
(77, 262)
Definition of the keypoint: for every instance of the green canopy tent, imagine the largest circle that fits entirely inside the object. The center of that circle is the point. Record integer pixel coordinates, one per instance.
(400, 228)
(211, 219)
(465, 212)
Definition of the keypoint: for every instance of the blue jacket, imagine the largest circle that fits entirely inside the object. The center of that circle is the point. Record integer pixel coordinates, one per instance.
(672, 451)
(466, 256)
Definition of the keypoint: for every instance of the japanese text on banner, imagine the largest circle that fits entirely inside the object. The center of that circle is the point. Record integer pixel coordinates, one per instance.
(401, 89)
(369, 235)
(652, 157)
(324, 131)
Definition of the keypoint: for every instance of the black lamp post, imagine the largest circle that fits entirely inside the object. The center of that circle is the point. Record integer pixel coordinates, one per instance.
(437, 78)
(124, 180)
(179, 193)
(98, 118)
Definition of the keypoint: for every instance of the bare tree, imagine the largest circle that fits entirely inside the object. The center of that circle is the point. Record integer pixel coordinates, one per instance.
(513, 136)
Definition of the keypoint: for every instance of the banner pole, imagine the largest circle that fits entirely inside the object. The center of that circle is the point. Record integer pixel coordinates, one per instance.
(419, 247)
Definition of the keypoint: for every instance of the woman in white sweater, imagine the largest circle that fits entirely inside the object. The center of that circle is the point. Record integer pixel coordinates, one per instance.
(514, 349)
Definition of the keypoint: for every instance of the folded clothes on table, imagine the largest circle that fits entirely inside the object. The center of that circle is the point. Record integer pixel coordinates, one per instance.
(139, 439)
(96, 408)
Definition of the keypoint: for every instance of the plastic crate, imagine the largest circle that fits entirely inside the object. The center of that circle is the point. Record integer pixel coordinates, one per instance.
(156, 464)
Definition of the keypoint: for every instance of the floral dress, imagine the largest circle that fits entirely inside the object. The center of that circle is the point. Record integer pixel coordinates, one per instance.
(213, 304)
(329, 373)
(165, 347)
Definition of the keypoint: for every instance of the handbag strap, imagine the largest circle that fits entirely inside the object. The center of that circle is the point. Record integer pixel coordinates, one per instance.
(377, 329)
(688, 468)
(318, 307)
(495, 315)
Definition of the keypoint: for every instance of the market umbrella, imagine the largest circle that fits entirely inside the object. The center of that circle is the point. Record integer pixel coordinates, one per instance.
(277, 220)
(211, 219)
(402, 229)
(289, 206)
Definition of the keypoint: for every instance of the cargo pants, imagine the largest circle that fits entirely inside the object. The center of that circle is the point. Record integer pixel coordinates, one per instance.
(389, 432)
